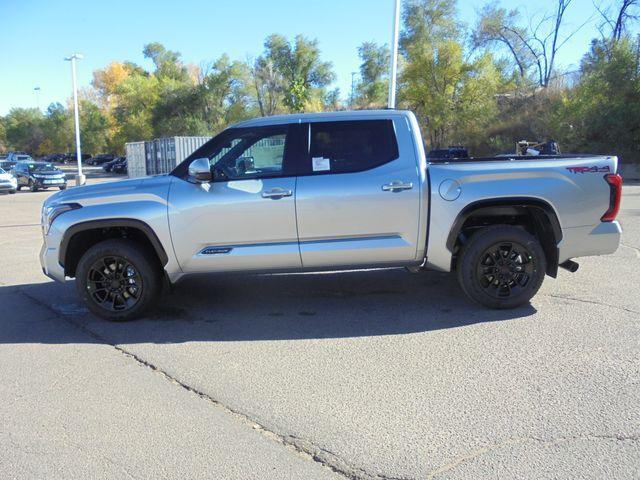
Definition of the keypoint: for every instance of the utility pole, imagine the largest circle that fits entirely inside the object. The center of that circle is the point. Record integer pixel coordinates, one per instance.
(80, 178)
(394, 55)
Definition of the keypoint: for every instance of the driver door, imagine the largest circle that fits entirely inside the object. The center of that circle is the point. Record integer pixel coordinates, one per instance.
(244, 219)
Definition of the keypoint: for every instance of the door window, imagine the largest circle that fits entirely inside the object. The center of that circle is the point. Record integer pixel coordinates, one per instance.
(250, 153)
(350, 146)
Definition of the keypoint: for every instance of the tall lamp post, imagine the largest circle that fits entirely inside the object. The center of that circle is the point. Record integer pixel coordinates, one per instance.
(37, 91)
(394, 55)
(80, 178)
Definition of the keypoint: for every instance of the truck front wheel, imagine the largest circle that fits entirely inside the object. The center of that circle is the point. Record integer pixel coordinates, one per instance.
(118, 280)
(501, 266)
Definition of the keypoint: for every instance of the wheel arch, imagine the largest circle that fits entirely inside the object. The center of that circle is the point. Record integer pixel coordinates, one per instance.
(80, 237)
(535, 214)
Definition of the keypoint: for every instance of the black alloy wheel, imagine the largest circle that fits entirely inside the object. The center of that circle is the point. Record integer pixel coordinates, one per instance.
(505, 269)
(501, 266)
(114, 283)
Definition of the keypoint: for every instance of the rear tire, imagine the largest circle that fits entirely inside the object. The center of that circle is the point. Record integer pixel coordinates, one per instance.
(118, 280)
(63, 187)
(501, 267)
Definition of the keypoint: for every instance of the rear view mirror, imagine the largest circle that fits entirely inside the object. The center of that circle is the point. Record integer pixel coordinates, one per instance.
(200, 171)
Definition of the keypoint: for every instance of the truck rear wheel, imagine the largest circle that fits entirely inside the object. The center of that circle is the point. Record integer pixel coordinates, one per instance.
(501, 266)
(118, 280)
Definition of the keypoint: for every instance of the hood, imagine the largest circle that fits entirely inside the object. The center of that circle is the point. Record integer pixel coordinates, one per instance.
(119, 191)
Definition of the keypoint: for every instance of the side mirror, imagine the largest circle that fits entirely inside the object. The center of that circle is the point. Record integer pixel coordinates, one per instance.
(200, 171)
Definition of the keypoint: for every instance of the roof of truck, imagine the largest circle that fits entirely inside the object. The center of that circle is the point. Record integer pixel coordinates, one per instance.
(322, 117)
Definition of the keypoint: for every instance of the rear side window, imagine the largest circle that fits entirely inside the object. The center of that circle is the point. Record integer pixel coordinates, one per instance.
(351, 146)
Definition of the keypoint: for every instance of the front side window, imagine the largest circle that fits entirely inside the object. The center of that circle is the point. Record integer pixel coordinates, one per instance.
(351, 146)
(249, 153)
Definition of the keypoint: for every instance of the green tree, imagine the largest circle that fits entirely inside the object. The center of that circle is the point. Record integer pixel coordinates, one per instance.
(601, 114)
(452, 97)
(373, 87)
(24, 129)
(305, 75)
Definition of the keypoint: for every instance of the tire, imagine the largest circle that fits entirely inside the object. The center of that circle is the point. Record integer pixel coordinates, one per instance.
(11, 192)
(501, 267)
(32, 186)
(64, 187)
(110, 260)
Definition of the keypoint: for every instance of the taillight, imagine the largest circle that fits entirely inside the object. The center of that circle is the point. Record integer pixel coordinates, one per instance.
(615, 188)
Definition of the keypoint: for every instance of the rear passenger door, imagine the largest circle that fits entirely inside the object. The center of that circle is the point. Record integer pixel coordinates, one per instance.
(358, 195)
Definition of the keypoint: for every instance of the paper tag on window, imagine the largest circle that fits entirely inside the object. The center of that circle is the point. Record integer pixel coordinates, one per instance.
(320, 164)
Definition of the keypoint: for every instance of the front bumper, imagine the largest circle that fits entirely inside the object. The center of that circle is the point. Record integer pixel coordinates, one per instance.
(49, 256)
(7, 187)
(44, 183)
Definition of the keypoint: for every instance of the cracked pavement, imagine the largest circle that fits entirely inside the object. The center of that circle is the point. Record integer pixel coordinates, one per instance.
(363, 375)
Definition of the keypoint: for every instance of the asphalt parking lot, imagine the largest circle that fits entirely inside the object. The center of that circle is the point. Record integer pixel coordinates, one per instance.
(368, 375)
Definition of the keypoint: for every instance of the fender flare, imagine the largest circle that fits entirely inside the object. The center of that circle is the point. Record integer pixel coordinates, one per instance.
(513, 206)
(111, 223)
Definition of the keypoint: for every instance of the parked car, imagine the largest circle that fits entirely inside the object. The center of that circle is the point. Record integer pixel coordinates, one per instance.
(8, 182)
(39, 176)
(332, 191)
(120, 168)
(7, 165)
(18, 157)
(100, 159)
(56, 158)
(108, 166)
(72, 158)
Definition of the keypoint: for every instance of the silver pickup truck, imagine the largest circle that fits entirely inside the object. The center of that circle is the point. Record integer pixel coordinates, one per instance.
(332, 191)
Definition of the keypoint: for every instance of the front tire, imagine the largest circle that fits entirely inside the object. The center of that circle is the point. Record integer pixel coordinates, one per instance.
(32, 186)
(118, 280)
(64, 187)
(501, 267)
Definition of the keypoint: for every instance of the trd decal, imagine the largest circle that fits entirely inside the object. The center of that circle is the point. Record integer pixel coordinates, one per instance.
(594, 169)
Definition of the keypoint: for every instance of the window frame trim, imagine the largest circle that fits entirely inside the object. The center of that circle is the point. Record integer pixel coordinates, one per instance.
(301, 172)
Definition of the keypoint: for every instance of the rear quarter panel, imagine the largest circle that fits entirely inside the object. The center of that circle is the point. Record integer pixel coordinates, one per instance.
(577, 193)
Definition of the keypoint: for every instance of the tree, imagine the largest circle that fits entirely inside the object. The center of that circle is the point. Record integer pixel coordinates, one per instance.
(269, 86)
(24, 129)
(299, 64)
(374, 82)
(534, 47)
(498, 26)
(616, 17)
(167, 62)
(452, 97)
(602, 113)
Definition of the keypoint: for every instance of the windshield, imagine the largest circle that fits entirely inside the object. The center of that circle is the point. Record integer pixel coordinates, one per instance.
(23, 158)
(42, 167)
(2, 171)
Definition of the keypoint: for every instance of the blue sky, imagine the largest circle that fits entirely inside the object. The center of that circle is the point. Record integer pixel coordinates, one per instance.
(36, 34)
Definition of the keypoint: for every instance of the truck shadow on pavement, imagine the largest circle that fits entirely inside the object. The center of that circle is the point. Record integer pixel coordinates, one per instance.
(264, 307)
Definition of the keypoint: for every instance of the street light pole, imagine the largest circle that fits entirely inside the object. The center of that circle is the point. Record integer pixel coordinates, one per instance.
(394, 55)
(80, 178)
(37, 90)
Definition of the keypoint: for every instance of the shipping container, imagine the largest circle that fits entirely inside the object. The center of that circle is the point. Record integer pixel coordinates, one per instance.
(162, 154)
(136, 166)
(150, 157)
(173, 150)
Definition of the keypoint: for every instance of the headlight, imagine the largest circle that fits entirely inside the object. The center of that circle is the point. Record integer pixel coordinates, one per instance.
(13, 181)
(53, 211)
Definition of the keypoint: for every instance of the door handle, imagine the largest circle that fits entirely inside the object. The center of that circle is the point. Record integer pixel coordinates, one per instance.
(397, 186)
(277, 193)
